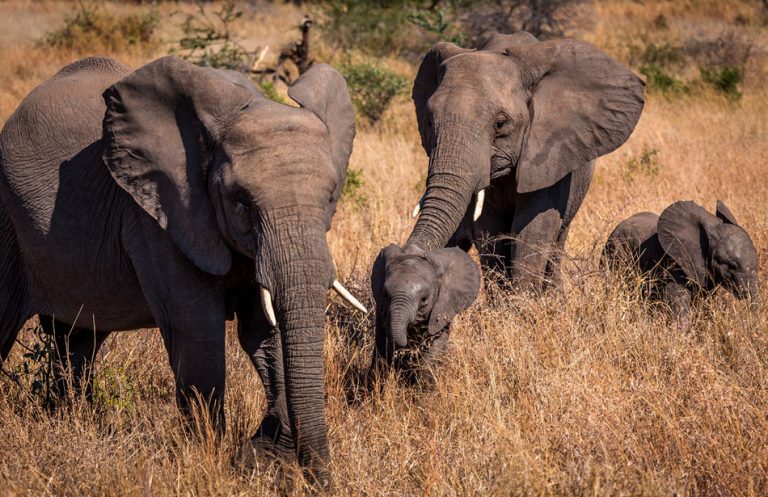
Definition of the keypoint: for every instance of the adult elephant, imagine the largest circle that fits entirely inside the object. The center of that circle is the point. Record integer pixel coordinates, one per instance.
(512, 130)
(176, 196)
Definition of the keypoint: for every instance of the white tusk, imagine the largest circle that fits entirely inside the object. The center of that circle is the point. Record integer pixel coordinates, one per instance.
(266, 304)
(479, 204)
(417, 209)
(349, 297)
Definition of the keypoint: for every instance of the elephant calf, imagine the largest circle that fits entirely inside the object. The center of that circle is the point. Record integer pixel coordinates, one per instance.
(417, 295)
(685, 253)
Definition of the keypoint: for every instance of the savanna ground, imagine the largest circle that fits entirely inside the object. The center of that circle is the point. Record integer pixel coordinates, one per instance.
(580, 392)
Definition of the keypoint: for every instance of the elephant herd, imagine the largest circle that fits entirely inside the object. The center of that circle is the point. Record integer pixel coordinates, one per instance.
(178, 197)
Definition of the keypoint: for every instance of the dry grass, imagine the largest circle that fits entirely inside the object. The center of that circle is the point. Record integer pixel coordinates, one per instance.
(578, 392)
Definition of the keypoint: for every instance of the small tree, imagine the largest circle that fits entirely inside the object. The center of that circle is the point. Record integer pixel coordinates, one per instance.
(372, 88)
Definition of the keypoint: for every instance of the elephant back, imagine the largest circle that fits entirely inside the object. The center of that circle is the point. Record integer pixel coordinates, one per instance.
(57, 126)
(632, 238)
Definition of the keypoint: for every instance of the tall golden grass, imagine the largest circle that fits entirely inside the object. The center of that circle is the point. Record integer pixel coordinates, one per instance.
(584, 391)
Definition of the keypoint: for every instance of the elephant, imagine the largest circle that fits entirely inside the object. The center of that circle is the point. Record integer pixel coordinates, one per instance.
(417, 295)
(686, 253)
(177, 196)
(512, 130)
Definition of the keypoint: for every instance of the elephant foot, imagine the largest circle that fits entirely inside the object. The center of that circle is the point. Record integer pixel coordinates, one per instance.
(271, 451)
(272, 442)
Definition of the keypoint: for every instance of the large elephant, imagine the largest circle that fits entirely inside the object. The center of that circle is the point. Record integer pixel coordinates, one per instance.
(512, 131)
(177, 196)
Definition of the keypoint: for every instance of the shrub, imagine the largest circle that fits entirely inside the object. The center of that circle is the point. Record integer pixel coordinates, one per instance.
(730, 48)
(542, 18)
(208, 41)
(725, 80)
(354, 183)
(437, 23)
(114, 388)
(372, 27)
(35, 374)
(267, 87)
(91, 28)
(658, 80)
(660, 22)
(647, 164)
(372, 88)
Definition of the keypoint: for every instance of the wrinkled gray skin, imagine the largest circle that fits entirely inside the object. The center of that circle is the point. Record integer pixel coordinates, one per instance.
(685, 253)
(417, 295)
(164, 197)
(524, 120)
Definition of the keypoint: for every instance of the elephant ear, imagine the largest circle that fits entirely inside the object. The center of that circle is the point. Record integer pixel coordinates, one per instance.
(584, 104)
(683, 228)
(323, 91)
(459, 285)
(426, 82)
(724, 213)
(378, 275)
(161, 124)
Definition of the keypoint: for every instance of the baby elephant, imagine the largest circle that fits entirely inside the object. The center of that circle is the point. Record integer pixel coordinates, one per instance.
(686, 252)
(417, 295)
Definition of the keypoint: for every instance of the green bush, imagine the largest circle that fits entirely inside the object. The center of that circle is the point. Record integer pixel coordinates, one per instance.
(90, 28)
(351, 190)
(267, 87)
(664, 55)
(647, 164)
(372, 88)
(114, 388)
(657, 79)
(208, 41)
(35, 375)
(725, 80)
(438, 23)
(374, 27)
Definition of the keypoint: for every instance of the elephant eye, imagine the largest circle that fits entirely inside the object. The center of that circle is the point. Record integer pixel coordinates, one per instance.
(241, 208)
(500, 123)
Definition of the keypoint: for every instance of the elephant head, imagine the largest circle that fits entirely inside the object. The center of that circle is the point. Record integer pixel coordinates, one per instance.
(536, 109)
(222, 169)
(415, 287)
(711, 249)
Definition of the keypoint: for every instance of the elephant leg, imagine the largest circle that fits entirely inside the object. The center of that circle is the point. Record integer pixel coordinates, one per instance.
(535, 243)
(425, 375)
(12, 318)
(540, 228)
(76, 349)
(678, 298)
(580, 180)
(262, 344)
(494, 245)
(188, 306)
(490, 232)
(13, 304)
(195, 345)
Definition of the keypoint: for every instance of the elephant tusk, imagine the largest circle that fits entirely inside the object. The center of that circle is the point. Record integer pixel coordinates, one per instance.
(479, 204)
(417, 209)
(266, 304)
(349, 297)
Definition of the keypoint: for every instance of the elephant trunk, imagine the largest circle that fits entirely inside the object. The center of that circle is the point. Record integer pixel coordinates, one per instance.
(399, 319)
(298, 272)
(748, 290)
(459, 167)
